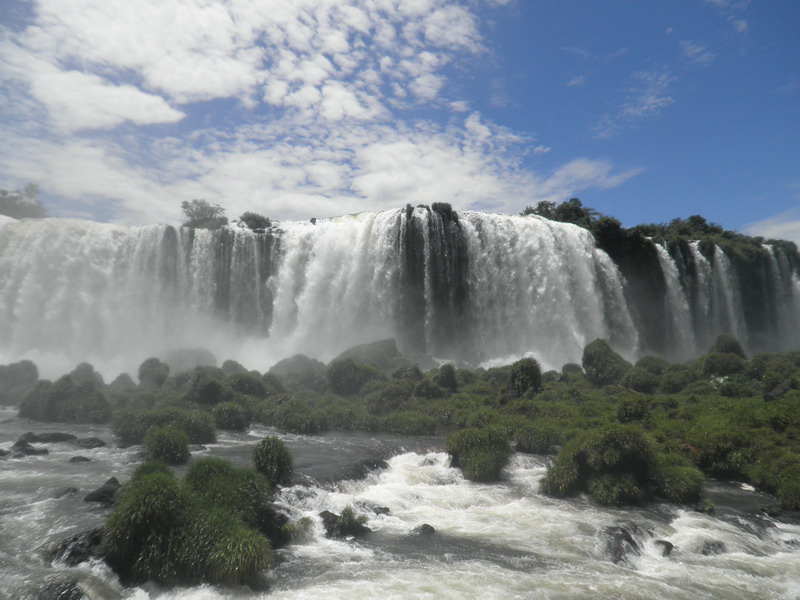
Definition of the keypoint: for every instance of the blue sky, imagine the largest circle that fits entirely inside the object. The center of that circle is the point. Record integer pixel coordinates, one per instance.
(646, 110)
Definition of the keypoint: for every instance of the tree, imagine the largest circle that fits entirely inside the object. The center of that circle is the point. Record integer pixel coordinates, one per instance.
(22, 204)
(200, 214)
(255, 220)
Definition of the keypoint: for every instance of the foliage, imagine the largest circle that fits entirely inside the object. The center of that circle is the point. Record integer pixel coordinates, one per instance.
(640, 380)
(131, 426)
(200, 214)
(721, 364)
(727, 344)
(654, 365)
(346, 376)
(66, 401)
(168, 444)
(255, 220)
(232, 416)
(205, 388)
(153, 373)
(538, 438)
(274, 461)
(633, 408)
(446, 378)
(480, 453)
(247, 383)
(602, 365)
(294, 415)
(525, 376)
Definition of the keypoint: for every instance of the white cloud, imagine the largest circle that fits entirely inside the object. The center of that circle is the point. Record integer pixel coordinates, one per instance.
(785, 226)
(732, 11)
(577, 82)
(648, 96)
(696, 53)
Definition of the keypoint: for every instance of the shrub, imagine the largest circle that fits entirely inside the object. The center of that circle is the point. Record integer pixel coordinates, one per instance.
(346, 377)
(153, 373)
(255, 221)
(273, 384)
(640, 380)
(168, 444)
(204, 388)
(203, 215)
(525, 376)
(603, 366)
(681, 484)
(66, 401)
(410, 423)
(274, 461)
(390, 396)
(723, 364)
(632, 409)
(538, 439)
(150, 467)
(445, 378)
(727, 344)
(294, 415)
(247, 383)
(229, 415)
(230, 366)
(480, 453)
(16, 380)
(614, 465)
(654, 365)
(131, 426)
(676, 378)
(411, 373)
(428, 390)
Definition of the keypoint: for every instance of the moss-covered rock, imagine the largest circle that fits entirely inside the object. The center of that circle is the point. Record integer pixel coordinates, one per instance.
(168, 444)
(273, 460)
(603, 366)
(525, 376)
(481, 454)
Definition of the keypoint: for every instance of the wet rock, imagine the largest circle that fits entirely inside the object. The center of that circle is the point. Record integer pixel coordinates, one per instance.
(105, 493)
(712, 548)
(666, 547)
(89, 443)
(382, 354)
(68, 491)
(78, 548)
(16, 380)
(373, 508)
(300, 371)
(24, 448)
(621, 542)
(273, 524)
(344, 525)
(47, 437)
(79, 459)
(362, 468)
(4, 453)
(784, 516)
(423, 530)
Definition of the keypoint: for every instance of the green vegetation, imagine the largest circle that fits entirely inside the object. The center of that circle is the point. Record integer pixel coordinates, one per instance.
(200, 214)
(480, 453)
(274, 461)
(212, 527)
(168, 444)
(255, 220)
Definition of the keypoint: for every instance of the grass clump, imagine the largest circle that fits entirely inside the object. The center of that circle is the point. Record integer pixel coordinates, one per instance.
(273, 460)
(167, 444)
(480, 453)
(131, 426)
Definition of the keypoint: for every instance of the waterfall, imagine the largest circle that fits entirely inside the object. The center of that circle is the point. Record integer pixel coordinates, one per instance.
(681, 331)
(474, 287)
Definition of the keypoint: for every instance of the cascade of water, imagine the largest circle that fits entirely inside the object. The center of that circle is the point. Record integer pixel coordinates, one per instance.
(727, 314)
(704, 333)
(678, 311)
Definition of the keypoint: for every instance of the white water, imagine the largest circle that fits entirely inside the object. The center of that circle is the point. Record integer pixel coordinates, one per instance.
(502, 540)
(728, 317)
(74, 290)
(677, 305)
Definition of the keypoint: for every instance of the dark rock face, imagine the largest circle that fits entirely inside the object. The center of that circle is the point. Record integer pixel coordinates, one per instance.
(712, 547)
(785, 516)
(666, 547)
(382, 355)
(79, 459)
(79, 548)
(621, 542)
(423, 530)
(16, 380)
(24, 448)
(105, 493)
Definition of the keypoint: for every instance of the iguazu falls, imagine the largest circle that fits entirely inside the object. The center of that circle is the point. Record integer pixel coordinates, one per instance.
(434, 402)
(399, 300)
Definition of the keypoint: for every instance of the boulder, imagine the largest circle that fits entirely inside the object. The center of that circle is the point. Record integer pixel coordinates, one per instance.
(67, 491)
(24, 448)
(16, 380)
(621, 542)
(186, 359)
(78, 459)
(78, 548)
(382, 354)
(666, 547)
(59, 587)
(105, 493)
(712, 548)
(300, 371)
(423, 530)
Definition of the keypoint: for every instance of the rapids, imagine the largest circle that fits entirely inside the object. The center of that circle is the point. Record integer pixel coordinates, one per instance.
(502, 540)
